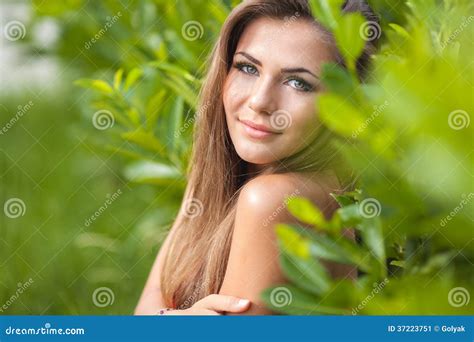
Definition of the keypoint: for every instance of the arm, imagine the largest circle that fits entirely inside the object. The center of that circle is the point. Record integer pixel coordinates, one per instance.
(151, 300)
(253, 262)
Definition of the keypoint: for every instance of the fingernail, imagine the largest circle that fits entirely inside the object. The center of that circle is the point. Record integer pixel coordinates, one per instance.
(243, 302)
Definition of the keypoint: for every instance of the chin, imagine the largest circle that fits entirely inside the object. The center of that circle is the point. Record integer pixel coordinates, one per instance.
(256, 158)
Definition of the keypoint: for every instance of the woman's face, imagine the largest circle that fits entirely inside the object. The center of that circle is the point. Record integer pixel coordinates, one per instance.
(269, 93)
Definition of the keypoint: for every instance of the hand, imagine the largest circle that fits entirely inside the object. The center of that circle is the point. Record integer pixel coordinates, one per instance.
(214, 304)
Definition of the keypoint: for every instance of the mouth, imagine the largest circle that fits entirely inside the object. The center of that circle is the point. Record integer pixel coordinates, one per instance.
(257, 131)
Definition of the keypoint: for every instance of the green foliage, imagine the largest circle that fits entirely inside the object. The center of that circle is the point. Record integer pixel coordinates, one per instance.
(154, 101)
(406, 132)
(132, 64)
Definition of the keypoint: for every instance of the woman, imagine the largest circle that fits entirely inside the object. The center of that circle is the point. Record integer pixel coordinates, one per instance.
(257, 142)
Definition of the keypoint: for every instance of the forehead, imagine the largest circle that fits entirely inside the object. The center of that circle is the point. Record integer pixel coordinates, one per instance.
(286, 43)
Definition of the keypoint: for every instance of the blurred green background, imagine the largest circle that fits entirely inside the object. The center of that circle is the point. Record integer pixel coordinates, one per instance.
(52, 158)
(97, 104)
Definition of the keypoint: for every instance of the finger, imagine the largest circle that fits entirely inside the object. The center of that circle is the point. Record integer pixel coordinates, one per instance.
(223, 303)
(210, 313)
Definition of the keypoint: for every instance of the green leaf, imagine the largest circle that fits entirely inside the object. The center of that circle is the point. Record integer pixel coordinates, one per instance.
(308, 274)
(437, 262)
(305, 211)
(173, 69)
(341, 250)
(343, 200)
(179, 86)
(349, 215)
(339, 115)
(118, 79)
(337, 79)
(349, 41)
(292, 242)
(372, 236)
(144, 139)
(399, 30)
(174, 122)
(398, 263)
(327, 12)
(292, 300)
(153, 109)
(325, 248)
(134, 116)
(98, 85)
(151, 172)
(132, 78)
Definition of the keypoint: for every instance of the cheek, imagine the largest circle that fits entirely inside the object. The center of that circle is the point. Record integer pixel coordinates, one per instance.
(236, 92)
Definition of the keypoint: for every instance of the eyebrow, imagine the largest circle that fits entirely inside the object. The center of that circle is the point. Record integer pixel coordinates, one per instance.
(284, 70)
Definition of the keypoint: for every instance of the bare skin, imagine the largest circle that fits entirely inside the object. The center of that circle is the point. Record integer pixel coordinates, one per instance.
(275, 71)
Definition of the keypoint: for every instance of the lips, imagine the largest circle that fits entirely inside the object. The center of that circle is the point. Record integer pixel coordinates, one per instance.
(257, 131)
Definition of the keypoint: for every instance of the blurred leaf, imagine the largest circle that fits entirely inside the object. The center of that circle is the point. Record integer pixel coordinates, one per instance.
(305, 211)
(118, 79)
(349, 41)
(327, 11)
(338, 80)
(308, 274)
(294, 301)
(400, 30)
(292, 241)
(372, 235)
(98, 85)
(145, 140)
(339, 115)
(151, 172)
(175, 121)
(132, 77)
(343, 200)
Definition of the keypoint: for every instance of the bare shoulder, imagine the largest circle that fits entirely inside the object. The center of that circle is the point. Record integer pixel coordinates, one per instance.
(268, 194)
(253, 263)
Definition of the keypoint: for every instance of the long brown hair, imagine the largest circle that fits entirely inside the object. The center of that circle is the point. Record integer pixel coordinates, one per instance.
(196, 262)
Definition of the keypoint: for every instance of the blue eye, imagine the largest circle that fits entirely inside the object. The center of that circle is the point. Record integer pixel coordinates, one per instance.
(247, 68)
(299, 84)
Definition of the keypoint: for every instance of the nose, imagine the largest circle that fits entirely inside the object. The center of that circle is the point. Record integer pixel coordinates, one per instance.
(263, 98)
